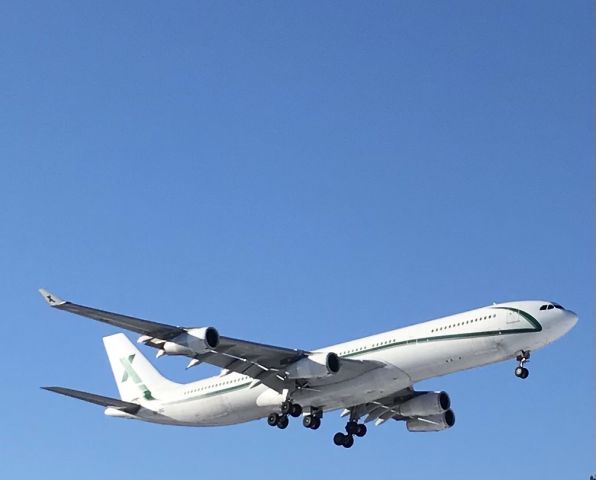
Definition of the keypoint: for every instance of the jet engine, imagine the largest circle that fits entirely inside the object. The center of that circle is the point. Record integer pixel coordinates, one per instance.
(194, 342)
(429, 403)
(431, 423)
(316, 365)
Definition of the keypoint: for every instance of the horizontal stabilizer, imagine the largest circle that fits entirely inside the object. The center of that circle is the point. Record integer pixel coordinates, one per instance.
(127, 407)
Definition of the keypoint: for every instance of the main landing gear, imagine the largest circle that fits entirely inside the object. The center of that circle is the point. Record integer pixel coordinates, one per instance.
(353, 428)
(288, 409)
(313, 420)
(522, 358)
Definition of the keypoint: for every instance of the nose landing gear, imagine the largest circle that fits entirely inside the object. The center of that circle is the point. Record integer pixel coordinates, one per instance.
(522, 358)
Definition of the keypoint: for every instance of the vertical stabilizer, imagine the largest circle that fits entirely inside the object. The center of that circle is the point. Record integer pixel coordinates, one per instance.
(135, 377)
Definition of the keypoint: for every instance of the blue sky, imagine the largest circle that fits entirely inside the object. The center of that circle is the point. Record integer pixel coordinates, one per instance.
(297, 173)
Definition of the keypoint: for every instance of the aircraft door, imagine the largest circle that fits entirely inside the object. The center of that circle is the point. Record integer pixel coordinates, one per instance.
(512, 317)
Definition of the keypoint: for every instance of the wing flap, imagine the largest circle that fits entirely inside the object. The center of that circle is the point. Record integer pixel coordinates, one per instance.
(259, 353)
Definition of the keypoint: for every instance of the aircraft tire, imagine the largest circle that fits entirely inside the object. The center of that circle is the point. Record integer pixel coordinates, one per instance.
(351, 427)
(349, 441)
(283, 422)
(272, 419)
(339, 438)
(286, 407)
(308, 421)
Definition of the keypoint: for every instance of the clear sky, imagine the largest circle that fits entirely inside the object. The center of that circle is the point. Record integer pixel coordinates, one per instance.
(296, 173)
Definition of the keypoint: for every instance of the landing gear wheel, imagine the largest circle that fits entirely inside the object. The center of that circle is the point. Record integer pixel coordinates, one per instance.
(351, 427)
(525, 373)
(283, 422)
(308, 421)
(343, 440)
(519, 371)
(339, 438)
(295, 410)
(361, 430)
(272, 419)
(311, 422)
(286, 407)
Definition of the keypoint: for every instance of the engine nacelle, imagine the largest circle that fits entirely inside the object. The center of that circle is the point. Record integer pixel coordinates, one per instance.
(194, 341)
(429, 403)
(316, 365)
(431, 423)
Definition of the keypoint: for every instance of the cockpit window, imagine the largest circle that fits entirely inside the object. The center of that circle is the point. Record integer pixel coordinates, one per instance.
(550, 306)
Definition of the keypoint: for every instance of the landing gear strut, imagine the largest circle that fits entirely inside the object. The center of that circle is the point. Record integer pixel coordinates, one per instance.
(353, 428)
(520, 370)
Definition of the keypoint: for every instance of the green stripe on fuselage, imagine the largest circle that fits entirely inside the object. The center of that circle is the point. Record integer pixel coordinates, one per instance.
(211, 393)
(534, 327)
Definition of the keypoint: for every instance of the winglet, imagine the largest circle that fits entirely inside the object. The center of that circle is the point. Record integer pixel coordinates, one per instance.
(51, 299)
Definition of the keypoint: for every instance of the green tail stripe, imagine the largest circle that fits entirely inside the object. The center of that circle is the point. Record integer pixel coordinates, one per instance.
(129, 372)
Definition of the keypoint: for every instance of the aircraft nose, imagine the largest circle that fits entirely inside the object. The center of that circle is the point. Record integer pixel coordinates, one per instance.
(559, 325)
(570, 320)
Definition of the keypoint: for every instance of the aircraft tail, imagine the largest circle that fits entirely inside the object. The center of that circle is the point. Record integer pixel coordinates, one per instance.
(135, 377)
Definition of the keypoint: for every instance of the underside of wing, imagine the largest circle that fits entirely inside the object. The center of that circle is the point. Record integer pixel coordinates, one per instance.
(422, 411)
(264, 363)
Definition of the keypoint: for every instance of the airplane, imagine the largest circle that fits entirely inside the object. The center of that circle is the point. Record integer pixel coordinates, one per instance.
(369, 379)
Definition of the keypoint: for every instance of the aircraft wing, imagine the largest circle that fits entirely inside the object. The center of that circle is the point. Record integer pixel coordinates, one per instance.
(127, 407)
(145, 327)
(385, 408)
(267, 364)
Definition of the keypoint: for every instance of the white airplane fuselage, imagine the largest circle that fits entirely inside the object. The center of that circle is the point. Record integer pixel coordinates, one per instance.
(438, 347)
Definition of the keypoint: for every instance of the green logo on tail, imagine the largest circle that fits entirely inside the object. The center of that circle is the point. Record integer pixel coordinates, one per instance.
(129, 373)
